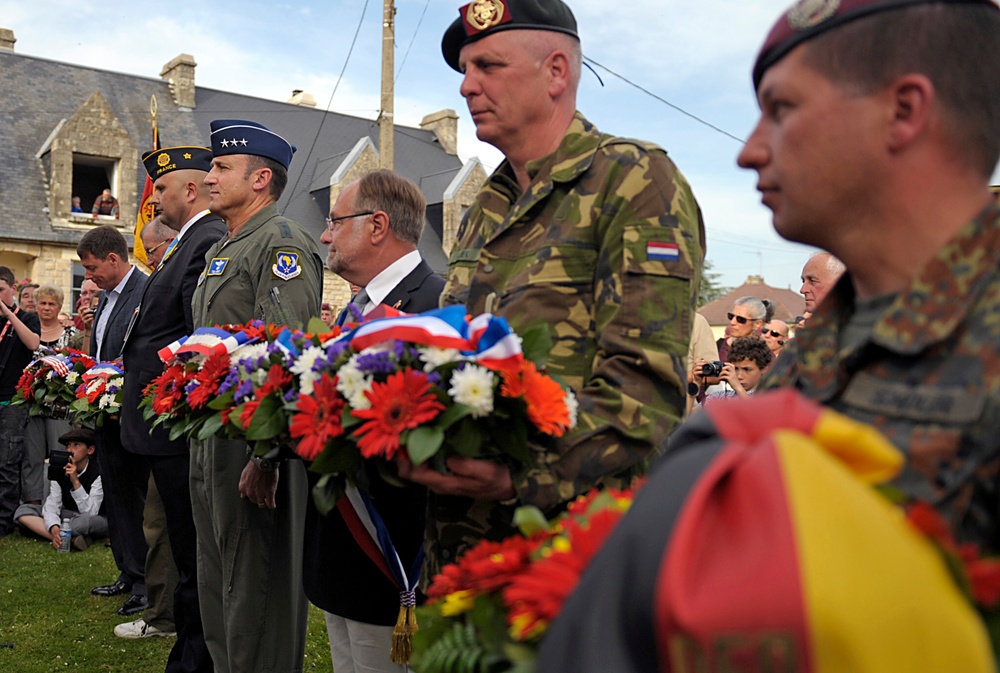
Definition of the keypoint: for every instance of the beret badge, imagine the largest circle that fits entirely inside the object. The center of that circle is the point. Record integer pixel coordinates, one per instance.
(482, 15)
(807, 13)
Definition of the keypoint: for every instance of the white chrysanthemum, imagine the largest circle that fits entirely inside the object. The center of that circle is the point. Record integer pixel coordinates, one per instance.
(434, 357)
(72, 378)
(116, 383)
(254, 351)
(259, 377)
(573, 406)
(473, 387)
(352, 384)
(303, 367)
(106, 401)
(52, 374)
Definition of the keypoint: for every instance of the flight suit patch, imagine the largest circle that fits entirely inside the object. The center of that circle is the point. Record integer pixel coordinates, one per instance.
(286, 265)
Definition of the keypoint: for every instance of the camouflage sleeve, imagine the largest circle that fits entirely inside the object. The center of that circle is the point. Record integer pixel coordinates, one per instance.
(650, 238)
(783, 374)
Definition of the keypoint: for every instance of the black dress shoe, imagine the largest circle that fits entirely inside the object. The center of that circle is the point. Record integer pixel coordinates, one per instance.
(116, 589)
(133, 605)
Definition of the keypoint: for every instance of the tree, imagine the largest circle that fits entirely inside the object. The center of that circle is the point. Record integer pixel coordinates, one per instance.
(710, 289)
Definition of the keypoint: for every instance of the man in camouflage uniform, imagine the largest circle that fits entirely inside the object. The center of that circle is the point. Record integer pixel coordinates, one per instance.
(250, 521)
(878, 135)
(599, 237)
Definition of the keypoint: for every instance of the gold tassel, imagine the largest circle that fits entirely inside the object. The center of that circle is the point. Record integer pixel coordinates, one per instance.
(402, 635)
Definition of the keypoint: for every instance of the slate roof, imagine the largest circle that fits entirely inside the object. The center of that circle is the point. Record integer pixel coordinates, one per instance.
(787, 303)
(36, 94)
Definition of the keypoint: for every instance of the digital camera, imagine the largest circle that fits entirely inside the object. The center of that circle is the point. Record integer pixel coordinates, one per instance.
(713, 368)
(58, 460)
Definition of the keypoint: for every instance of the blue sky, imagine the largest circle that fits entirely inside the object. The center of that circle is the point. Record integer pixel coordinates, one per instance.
(697, 55)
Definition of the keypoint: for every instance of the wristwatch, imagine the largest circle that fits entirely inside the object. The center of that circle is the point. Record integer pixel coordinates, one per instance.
(264, 464)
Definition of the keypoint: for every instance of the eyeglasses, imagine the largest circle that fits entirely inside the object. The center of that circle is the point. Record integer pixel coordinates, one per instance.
(150, 251)
(740, 319)
(331, 220)
(774, 334)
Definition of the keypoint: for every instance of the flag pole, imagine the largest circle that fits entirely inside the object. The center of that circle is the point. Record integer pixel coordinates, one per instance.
(145, 213)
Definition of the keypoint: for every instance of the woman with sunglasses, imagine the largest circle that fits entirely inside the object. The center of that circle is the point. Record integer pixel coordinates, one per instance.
(745, 319)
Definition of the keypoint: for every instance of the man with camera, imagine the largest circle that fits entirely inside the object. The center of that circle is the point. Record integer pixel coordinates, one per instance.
(76, 494)
(747, 359)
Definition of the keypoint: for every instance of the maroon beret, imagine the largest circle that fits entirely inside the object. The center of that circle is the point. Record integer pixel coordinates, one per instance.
(480, 18)
(808, 18)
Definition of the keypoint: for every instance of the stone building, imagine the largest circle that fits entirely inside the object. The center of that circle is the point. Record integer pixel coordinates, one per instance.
(68, 130)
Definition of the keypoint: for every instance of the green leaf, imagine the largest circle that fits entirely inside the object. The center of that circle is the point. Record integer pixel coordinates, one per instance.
(424, 442)
(221, 402)
(530, 520)
(317, 326)
(80, 404)
(211, 426)
(536, 343)
(327, 492)
(340, 456)
(452, 414)
(269, 420)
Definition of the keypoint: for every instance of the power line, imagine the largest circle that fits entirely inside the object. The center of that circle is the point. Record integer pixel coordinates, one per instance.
(665, 102)
(420, 21)
(329, 104)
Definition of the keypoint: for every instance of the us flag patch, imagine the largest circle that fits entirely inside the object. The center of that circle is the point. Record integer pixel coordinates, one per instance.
(662, 252)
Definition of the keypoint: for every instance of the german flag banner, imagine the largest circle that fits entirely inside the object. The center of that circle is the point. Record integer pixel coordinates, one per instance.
(760, 544)
(146, 213)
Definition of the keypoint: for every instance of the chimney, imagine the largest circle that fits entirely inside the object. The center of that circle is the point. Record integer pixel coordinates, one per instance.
(444, 124)
(7, 39)
(179, 73)
(300, 97)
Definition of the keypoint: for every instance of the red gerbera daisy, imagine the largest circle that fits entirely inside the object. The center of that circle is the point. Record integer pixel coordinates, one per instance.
(278, 380)
(215, 369)
(169, 388)
(403, 402)
(319, 417)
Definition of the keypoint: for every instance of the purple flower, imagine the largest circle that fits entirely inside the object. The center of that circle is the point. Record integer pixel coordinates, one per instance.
(231, 380)
(191, 386)
(244, 391)
(291, 395)
(376, 363)
(336, 349)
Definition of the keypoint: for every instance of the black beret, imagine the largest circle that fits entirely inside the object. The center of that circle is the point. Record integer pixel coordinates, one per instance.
(169, 159)
(485, 17)
(808, 18)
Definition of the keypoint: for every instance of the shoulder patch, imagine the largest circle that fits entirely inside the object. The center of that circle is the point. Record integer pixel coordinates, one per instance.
(286, 265)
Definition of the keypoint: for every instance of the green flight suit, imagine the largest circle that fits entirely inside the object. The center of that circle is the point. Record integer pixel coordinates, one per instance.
(250, 559)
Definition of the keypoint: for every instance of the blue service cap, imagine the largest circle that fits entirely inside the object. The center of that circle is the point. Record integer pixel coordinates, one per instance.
(234, 136)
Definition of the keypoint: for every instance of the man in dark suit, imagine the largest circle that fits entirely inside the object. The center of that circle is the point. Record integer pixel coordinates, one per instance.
(180, 198)
(104, 255)
(372, 236)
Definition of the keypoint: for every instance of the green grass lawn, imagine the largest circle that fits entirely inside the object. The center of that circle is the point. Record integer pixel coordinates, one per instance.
(49, 621)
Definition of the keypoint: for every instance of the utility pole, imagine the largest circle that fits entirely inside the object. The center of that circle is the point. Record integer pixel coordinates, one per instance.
(385, 125)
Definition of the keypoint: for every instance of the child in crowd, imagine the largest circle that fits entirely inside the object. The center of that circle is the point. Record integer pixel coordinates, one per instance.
(748, 357)
(77, 495)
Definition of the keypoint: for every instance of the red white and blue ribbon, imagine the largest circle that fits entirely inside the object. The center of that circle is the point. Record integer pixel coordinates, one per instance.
(104, 370)
(486, 339)
(205, 341)
(373, 537)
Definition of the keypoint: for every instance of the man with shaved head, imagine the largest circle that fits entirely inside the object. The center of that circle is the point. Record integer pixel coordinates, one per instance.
(598, 237)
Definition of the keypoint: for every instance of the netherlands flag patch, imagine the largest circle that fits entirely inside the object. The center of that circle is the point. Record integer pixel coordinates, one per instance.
(662, 252)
